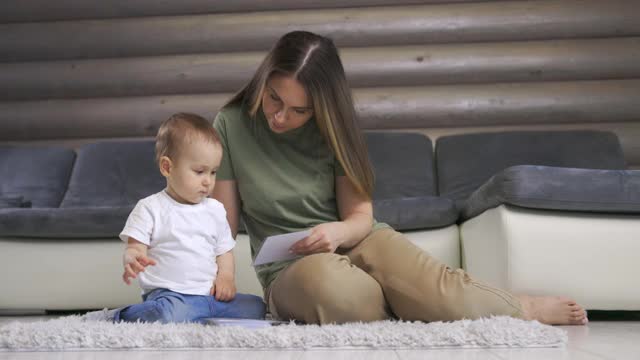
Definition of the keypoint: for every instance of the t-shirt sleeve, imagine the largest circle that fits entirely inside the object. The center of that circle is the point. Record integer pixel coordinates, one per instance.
(139, 224)
(225, 241)
(225, 172)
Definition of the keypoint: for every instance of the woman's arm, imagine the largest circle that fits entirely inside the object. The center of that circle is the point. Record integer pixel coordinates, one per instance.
(355, 211)
(356, 214)
(226, 191)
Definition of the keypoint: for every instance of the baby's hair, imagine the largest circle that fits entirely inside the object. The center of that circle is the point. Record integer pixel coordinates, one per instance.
(180, 129)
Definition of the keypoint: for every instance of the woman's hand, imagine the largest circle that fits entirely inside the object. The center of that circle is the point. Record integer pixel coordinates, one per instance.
(324, 238)
(134, 261)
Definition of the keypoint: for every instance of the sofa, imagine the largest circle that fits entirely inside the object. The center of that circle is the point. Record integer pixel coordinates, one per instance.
(61, 251)
(527, 211)
(546, 213)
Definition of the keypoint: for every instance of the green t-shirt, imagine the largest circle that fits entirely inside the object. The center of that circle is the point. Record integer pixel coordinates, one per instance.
(286, 181)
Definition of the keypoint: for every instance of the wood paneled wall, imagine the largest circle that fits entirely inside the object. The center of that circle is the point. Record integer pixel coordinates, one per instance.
(73, 71)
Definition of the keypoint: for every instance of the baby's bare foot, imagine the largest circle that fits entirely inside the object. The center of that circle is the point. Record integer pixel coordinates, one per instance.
(553, 310)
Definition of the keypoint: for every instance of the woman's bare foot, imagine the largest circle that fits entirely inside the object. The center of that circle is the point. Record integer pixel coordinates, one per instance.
(553, 310)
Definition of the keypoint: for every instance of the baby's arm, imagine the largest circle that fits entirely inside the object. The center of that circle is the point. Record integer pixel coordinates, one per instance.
(135, 259)
(224, 287)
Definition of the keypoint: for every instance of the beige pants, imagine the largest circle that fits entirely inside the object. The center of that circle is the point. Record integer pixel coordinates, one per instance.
(384, 276)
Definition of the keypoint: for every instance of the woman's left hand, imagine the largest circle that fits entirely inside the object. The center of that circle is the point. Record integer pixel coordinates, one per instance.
(324, 238)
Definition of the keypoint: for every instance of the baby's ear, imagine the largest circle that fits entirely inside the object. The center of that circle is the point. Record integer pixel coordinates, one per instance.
(165, 166)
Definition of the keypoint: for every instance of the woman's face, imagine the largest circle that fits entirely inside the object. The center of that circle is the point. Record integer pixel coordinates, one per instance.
(285, 104)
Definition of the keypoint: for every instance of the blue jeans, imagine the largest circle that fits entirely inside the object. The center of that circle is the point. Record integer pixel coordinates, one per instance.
(167, 306)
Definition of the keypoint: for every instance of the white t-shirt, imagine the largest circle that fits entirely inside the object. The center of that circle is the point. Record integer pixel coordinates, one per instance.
(183, 239)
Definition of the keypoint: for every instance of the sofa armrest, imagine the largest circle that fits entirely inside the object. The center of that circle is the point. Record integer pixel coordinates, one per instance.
(558, 188)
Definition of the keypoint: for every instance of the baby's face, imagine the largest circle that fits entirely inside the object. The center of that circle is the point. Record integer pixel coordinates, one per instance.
(194, 171)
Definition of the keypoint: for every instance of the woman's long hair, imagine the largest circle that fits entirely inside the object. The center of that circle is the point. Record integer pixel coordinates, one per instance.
(313, 60)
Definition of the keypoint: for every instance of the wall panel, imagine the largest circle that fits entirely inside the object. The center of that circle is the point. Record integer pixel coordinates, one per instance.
(75, 71)
(552, 60)
(357, 27)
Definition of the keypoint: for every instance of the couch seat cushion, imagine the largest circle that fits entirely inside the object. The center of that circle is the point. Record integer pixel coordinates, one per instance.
(558, 188)
(405, 189)
(411, 213)
(68, 223)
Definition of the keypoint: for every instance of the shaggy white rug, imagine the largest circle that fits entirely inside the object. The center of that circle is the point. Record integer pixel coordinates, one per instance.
(72, 333)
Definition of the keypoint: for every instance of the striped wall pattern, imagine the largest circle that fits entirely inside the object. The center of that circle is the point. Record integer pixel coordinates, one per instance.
(73, 71)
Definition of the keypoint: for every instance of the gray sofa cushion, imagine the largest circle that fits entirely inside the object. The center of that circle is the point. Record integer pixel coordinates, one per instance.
(113, 173)
(553, 188)
(402, 163)
(37, 174)
(405, 191)
(464, 162)
(68, 223)
(412, 213)
(110, 177)
(14, 202)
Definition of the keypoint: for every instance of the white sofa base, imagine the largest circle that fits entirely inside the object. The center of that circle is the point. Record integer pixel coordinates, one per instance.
(86, 274)
(592, 258)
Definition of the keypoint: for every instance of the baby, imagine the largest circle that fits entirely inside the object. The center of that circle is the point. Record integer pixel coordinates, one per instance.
(178, 241)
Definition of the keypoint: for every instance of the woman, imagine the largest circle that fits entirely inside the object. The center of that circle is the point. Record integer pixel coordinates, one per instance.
(294, 158)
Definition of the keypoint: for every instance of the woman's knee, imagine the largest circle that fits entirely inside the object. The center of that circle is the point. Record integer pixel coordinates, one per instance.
(324, 288)
(314, 276)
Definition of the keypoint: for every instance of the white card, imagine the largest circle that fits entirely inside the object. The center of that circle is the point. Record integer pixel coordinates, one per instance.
(276, 248)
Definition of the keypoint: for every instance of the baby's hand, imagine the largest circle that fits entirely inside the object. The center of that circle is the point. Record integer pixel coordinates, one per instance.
(224, 288)
(134, 262)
